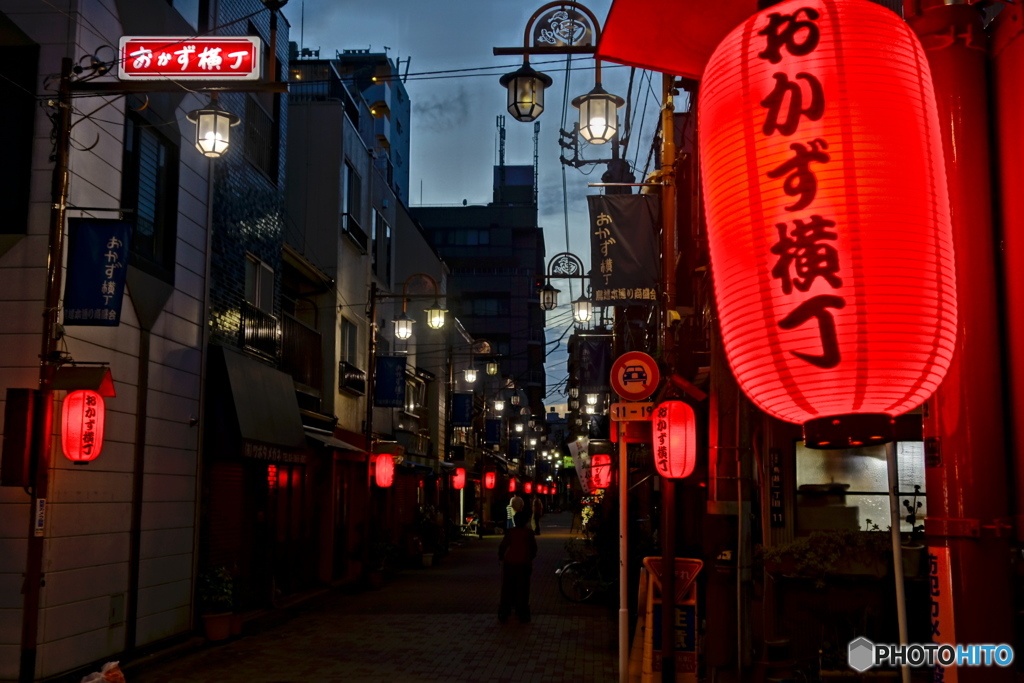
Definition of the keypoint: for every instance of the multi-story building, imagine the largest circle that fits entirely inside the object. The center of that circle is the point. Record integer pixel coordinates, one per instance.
(496, 255)
(117, 541)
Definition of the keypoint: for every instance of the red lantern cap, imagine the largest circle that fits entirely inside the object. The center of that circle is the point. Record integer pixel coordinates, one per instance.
(828, 217)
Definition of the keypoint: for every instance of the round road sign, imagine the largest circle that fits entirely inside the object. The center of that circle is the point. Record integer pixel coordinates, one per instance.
(635, 376)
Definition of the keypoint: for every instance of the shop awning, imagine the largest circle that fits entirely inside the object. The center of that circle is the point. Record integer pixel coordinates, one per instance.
(333, 442)
(420, 462)
(265, 402)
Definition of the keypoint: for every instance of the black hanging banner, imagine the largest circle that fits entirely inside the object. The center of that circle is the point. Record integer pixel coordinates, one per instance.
(594, 359)
(624, 248)
(97, 263)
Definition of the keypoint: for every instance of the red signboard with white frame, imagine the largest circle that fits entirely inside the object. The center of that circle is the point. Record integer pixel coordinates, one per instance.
(234, 58)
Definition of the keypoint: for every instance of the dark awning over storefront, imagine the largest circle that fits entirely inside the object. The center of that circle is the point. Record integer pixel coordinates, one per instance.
(265, 402)
(333, 442)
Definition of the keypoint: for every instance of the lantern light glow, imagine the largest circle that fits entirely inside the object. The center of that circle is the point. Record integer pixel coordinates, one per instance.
(83, 418)
(674, 428)
(384, 470)
(489, 480)
(828, 217)
(459, 479)
(601, 470)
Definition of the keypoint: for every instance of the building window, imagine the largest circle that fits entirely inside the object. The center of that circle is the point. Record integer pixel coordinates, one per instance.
(149, 186)
(259, 284)
(349, 341)
(374, 241)
(844, 488)
(351, 206)
(261, 137)
(488, 307)
(387, 252)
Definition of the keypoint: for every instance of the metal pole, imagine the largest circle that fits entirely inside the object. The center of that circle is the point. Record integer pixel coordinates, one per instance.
(43, 423)
(668, 580)
(897, 553)
(371, 378)
(623, 555)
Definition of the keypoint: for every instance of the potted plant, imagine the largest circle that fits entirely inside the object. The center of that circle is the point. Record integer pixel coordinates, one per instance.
(830, 553)
(913, 549)
(217, 601)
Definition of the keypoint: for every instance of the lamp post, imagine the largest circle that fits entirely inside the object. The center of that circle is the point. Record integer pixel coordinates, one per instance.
(568, 266)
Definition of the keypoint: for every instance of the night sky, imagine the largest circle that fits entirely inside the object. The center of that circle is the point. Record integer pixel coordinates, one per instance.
(454, 131)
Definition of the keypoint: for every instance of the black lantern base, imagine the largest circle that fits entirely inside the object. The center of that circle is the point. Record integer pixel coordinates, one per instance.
(849, 431)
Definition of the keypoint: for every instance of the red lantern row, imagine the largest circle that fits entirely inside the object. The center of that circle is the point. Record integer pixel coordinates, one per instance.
(828, 217)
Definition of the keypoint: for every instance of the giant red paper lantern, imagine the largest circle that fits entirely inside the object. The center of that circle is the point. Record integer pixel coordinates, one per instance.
(489, 479)
(828, 217)
(82, 420)
(601, 470)
(384, 470)
(674, 428)
(459, 479)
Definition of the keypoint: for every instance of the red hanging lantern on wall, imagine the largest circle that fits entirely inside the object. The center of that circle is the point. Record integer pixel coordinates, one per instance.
(83, 417)
(601, 470)
(489, 479)
(528, 487)
(384, 470)
(512, 485)
(828, 217)
(459, 479)
(674, 427)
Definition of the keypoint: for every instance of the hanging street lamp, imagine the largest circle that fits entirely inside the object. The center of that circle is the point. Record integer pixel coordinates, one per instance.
(598, 114)
(213, 128)
(525, 92)
(403, 326)
(582, 309)
(470, 374)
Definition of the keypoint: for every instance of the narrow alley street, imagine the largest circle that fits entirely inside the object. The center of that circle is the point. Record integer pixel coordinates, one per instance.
(431, 624)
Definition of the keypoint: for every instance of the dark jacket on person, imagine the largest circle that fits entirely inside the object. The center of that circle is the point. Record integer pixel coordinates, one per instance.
(519, 545)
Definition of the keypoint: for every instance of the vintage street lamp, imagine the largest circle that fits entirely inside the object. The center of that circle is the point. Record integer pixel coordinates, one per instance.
(499, 405)
(514, 399)
(519, 427)
(548, 297)
(435, 316)
(598, 114)
(213, 128)
(592, 399)
(582, 309)
(403, 326)
(470, 374)
(525, 91)
(492, 367)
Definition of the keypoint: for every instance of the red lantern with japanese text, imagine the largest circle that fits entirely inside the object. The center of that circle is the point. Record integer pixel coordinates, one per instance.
(82, 421)
(489, 480)
(674, 428)
(828, 217)
(528, 487)
(601, 470)
(459, 479)
(384, 470)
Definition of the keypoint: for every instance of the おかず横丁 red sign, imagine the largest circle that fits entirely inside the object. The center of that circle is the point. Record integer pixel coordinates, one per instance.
(217, 58)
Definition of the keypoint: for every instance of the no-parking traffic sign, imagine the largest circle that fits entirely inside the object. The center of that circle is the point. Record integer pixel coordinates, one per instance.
(635, 376)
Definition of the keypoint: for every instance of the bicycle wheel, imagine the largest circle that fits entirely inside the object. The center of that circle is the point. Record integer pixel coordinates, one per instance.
(573, 583)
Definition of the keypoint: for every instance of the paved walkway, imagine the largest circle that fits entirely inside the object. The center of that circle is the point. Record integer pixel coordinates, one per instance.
(431, 624)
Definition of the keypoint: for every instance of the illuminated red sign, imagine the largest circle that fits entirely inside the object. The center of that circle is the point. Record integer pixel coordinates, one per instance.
(235, 58)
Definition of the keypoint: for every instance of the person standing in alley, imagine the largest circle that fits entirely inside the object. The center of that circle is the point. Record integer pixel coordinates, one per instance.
(516, 553)
(538, 512)
(515, 506)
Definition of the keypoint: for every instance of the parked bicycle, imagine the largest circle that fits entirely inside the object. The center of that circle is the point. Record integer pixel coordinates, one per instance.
(580, 581)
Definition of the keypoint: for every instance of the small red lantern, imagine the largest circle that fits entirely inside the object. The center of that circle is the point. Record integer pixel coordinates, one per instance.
(828, 217)
(675, 439)
(512, 485)
(82, 420)
(384, 470)
(601, 470)
(489, 480)
(554, 489)
(459, 479)
(528, 487)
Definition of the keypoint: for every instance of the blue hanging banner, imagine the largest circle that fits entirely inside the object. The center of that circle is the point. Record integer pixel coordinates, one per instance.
(493, 434)
(515, 448)
(389, 387)
(97, 267)
(462, 410)
(528, 457)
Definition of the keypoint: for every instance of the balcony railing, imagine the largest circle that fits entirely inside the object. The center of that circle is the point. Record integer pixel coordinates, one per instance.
(259, 332)
(302, 352)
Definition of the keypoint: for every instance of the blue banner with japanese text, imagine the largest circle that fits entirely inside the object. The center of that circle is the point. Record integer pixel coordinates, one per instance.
(493, 434)
(97, 267)
(624, 267)
(389, 387)
(462, 410)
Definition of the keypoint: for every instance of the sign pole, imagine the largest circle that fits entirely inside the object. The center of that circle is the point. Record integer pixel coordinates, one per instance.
(623, 554)
(897, 553)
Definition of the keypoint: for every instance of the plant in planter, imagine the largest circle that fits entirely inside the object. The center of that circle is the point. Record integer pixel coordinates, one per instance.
(830, 553)
(216, 591)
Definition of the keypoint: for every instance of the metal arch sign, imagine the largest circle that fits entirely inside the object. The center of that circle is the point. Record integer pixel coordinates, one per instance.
(635, 376)
(224, 58)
